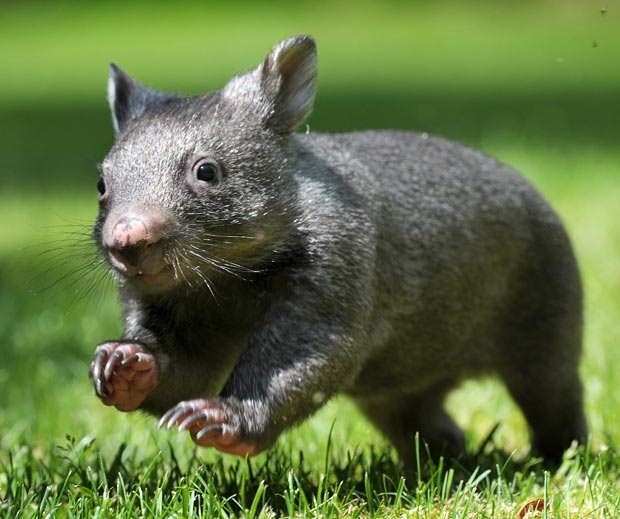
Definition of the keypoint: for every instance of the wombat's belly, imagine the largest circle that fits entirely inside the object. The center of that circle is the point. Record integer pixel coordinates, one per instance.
(417, 358)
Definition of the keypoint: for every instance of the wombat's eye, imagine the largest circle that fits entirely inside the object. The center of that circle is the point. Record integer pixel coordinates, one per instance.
(207, 170)
(101, 187)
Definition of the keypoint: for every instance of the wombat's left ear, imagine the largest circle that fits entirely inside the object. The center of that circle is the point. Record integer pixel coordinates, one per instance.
(128, 99)
(288, 81)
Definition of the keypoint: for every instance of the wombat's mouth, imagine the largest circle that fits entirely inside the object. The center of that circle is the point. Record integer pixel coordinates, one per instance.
(147, 260)
(151, 281)
(156, 267)
(153, 274)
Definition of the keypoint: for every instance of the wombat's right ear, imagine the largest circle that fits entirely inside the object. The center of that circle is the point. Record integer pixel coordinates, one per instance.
(288, 81)
(128, 99)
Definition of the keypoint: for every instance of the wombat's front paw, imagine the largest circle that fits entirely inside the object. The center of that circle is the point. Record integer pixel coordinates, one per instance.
(211, 423)
(123, 374)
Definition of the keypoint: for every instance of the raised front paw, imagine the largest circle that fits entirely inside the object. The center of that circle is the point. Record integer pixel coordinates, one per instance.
(123, 374)
(212, 422)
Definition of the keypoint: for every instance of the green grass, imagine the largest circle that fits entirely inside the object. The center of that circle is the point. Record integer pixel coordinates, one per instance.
(533, 83)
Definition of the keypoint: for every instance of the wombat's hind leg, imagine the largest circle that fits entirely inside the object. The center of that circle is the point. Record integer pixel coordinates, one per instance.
(552, 403)
(400, 418)
(541, 371)
(540, 347)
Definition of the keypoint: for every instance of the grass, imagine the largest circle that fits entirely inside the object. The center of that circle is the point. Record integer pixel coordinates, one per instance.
(80, 483)
(532, 83)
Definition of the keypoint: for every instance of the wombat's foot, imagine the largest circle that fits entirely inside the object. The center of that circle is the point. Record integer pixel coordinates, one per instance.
(123, 374)
(211, 422)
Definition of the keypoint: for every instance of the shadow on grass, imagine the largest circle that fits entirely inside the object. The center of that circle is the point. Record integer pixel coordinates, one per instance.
(59, 146)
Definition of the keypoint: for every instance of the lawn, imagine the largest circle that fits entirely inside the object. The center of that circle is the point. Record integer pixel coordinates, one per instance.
(533, 83)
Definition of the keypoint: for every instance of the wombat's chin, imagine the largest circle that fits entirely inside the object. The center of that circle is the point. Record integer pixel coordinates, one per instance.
(151, 283)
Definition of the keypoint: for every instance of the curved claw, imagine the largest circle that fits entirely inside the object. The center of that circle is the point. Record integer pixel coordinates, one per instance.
(206, 415)
(170, 417)
(132, 359)
(211, 423)
(189, 415)
(97, 371)
(220, 428)
(114, 362)
(123, 373)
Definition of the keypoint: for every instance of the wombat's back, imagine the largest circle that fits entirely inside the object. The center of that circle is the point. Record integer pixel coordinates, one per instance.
(468, 254)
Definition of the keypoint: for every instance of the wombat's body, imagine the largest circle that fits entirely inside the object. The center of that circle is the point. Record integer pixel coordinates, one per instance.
(263, 271)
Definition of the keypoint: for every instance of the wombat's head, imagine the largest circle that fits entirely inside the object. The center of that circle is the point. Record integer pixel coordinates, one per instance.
(196, 187)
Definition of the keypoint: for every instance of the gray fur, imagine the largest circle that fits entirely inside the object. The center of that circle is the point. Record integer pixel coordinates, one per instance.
(388, 266)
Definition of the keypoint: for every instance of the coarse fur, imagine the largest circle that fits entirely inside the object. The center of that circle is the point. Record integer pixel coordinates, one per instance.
(262, 271)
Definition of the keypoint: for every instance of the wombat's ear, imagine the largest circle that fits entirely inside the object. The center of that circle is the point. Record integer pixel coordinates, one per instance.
(128, 99)
(288, 80)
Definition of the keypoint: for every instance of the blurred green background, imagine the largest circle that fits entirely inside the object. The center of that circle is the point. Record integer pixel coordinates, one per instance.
(534, 83)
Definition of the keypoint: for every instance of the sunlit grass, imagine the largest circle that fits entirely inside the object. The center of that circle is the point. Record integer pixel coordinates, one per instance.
(50, 348)
(502, 76)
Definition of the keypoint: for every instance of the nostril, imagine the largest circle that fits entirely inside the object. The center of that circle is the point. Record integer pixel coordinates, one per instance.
(131, 241)
(129, 231)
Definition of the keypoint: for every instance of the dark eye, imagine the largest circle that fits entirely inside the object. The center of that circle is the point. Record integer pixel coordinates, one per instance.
(101, 187)
(207, 170)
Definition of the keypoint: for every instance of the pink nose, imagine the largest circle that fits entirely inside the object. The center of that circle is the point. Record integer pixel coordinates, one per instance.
(130, 241)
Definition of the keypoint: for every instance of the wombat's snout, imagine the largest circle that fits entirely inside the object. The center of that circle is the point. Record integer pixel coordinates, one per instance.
(132, 243)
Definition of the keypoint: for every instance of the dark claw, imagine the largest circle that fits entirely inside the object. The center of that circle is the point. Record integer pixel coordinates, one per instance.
(96, 373)
(113, 363)
(164, 418)
(100, 389)
(172, 415)
(219, 427)
(204, 414)
(130, 360)
(181, 409)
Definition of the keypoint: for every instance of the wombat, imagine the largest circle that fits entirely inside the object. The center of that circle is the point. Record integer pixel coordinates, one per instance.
(263, 271)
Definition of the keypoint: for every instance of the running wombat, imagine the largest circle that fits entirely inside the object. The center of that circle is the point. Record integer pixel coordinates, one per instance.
(262, 271)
